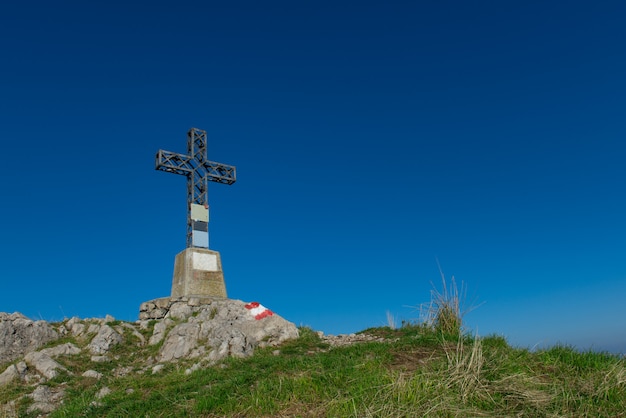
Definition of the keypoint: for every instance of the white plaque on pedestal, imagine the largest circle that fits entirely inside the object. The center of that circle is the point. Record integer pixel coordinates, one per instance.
(204, 262)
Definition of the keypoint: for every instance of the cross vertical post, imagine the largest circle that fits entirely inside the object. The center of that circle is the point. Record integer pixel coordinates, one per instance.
(199, 171)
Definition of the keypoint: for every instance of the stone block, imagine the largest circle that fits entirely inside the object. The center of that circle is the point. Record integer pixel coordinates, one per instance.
(158, 313)
(198, 272)
(163, 303)
(180, 310)
(146, 306)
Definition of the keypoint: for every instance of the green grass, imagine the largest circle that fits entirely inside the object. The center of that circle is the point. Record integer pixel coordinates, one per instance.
(416, 371)
(419, 369)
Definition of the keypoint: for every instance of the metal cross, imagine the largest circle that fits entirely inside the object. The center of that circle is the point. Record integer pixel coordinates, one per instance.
(199, 171)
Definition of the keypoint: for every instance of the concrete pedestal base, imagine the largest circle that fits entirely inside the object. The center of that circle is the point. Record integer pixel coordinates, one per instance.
(198, 272)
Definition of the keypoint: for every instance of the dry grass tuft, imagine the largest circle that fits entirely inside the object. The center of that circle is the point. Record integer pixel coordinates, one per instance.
(465, 367)
(391, 321)
(446, 309)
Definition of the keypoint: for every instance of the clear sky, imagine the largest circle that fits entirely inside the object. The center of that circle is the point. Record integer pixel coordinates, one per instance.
(371, 139)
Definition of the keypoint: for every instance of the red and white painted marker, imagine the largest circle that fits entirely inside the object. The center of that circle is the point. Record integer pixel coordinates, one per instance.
(258, 311)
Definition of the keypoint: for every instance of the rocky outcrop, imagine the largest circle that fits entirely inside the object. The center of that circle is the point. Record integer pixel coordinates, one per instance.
(44, 364)
(106, 338)
(45, 399)
(20, 335)
(213, 329)
(13, 372)
(175, 308)
(66, 349)
(198, 331)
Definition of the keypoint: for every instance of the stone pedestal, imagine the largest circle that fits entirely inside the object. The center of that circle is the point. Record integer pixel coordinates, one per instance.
(198, 272)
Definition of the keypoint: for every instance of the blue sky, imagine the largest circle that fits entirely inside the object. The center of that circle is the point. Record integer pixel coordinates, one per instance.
(371, 140)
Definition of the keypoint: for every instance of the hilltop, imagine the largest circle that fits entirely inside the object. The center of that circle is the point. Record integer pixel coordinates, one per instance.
(41, 362)
(415, 370)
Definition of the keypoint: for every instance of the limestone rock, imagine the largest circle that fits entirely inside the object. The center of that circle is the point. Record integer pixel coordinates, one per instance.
(14, 371)
(181, 340)
(41, 394)
(106, 338)
(193, 368)
(20, 335)
(45, 399)
(9, 410)
(78, 329)
(146, 306)
(200, 328)
(158, 333)
(222, 328)
(180, 311)
(103, 392)
(61, 350)
(122, 371)
(44, 364)
(75, 326)
(343, 340)
(93, 374)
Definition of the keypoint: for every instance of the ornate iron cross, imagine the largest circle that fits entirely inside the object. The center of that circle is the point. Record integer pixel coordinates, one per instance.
(199, 171)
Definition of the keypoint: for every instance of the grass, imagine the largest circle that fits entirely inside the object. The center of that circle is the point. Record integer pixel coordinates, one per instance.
(416, 371)
(429, 368)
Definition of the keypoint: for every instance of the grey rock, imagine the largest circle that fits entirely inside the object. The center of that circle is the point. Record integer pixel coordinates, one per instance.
(93, 374)
(70, 322)
(222, 328)
(181, 340)
(20, 335)
(100, 359)
(196, 366)
(103, 392)
(343, 340)
(146, 306)
(43, 407)
(122, 371)
(45, 399)
(93, 328)
(158, 313)
(180, 310)
(44, 364)
(78, 329)
(14, 371)
(144, 324)
(158, 333)
(21, 368)
(162, 303)
(8, 375)
(41, 394)
(8, 410)
(106, 338)
(66, 349)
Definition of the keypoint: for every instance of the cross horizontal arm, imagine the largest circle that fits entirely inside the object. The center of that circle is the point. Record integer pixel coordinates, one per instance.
(220, 173)
(173, 163)
(183, 164)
